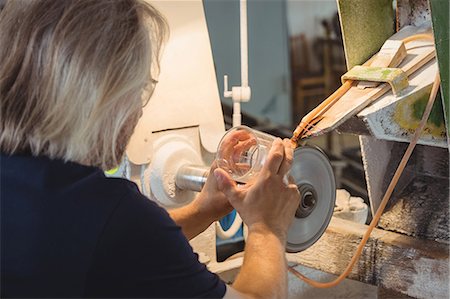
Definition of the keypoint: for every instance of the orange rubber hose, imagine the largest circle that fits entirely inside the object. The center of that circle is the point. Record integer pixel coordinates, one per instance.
(326, 103)
(385, 199)
(414, 37)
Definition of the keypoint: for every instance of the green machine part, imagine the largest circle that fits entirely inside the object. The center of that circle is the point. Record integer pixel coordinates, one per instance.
(440, 18)
(367, 24)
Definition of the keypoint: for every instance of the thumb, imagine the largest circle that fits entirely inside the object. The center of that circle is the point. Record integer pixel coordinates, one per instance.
(226, 184)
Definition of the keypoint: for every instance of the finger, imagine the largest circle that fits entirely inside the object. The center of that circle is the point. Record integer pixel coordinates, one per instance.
(291, 180)
(295, 192)
(235, 136)
(213, 166)
(242, 167)
(288, 158)
(241, 135)
(242, 147)
(245, 144)
(293, 187)
(228, 146)
(274, 158)
(227, 185)
(211, 180)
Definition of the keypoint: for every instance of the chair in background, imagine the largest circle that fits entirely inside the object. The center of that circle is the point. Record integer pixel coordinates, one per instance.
(312, 85)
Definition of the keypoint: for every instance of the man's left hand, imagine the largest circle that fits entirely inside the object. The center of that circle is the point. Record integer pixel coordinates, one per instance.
(210, 201)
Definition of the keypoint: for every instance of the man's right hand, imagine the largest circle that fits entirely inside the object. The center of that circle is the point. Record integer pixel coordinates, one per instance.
(268, 203)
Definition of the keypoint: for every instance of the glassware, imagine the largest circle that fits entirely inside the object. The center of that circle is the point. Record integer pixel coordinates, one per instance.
(242, 152)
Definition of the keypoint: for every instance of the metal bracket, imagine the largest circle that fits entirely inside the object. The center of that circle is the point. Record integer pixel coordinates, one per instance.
(395, 77)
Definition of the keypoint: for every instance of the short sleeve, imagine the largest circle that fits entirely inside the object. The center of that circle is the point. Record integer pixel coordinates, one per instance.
(143, 253)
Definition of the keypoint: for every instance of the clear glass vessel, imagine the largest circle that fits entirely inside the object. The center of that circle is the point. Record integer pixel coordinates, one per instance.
(242, 152)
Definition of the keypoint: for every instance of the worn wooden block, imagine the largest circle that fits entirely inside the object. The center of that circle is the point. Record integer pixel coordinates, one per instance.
(395, 77)
(391, 55)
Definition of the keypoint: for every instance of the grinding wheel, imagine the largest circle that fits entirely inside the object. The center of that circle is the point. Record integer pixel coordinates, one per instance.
(313, 174)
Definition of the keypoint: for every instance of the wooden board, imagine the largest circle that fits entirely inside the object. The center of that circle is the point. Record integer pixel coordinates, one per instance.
(414, 267)
(419, 52)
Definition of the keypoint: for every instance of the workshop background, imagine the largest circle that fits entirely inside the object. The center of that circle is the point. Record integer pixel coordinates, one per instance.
(296, 60)
(299, 62)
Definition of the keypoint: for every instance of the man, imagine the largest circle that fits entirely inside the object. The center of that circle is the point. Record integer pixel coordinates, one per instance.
(72, 73)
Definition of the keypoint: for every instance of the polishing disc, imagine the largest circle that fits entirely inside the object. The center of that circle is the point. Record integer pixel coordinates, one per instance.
(314, 177)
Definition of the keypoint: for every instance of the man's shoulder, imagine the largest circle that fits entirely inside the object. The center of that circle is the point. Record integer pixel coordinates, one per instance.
(135, 206)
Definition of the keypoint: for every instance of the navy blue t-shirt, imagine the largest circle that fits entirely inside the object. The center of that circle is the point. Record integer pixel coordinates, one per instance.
(68, 231)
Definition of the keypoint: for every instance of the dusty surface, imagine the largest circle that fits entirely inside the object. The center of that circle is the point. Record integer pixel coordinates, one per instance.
(412, 12)
(420, 210)
(349, 289)
(413, 267)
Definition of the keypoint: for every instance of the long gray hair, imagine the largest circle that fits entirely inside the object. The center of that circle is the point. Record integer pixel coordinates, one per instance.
(72, 76)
